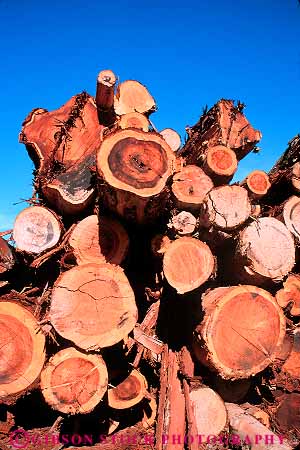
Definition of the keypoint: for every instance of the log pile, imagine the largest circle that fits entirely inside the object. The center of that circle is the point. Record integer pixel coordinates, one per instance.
(141, 293)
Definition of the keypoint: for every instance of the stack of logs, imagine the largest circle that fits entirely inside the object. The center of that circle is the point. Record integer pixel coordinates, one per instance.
(143, 293)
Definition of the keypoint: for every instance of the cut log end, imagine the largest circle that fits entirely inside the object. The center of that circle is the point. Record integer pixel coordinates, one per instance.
(74, 382)
(183, 223)
(172, 138)
(290, 294)
(258, 183)
(132, 96)
(242, 331)
(93, 306)
(36, 229)
(188, 263)
(291, 216)
(22, 350)
(7, 259)
(220, 164)
(134, 120)
(129, 392)
(98, 240)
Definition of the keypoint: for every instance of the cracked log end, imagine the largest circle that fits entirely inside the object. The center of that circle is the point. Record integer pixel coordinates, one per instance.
(242, 331)
(134, 120)
(190, 186)
(183, 223)
(132, 96)
(265, 252)
(7, 259)
(98, 240)
(291, 215)
(187, 264)
(172, 138)
(93, 306)
(209, 411)
(258, 183)
(74, 382)
(22, 352)
(134, 167)
(129, 392)
(220, 164)
(290, 294)
(225, 208)
(36, 229)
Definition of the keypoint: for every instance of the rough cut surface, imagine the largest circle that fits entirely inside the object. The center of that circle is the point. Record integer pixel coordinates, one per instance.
(129, 392)
(132, 96)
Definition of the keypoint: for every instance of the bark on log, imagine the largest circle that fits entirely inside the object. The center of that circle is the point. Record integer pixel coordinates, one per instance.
(257, 183)
(22, 350)
(93, 306)
(172, 138)
(290, 294)
(239, 344)
(134, 120)
(129, 392)
(265, 253)
(105, 97)
(74, 382)
(132, 96)
(62, 145)
(187, 264)
(287, 415)
(220, 164)
(183, 223)
(225, 208)
(289, 375)
(291, 216)
(7, 258)
(224, 124)
(189, 188)
(98, 240)
(36, 229)
(134, 168)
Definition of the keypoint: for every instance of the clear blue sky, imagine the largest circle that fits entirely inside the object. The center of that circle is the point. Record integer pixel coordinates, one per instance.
(188, 54)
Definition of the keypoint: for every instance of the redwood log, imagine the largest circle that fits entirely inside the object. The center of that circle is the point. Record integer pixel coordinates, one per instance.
(257, 183)
(134, 168)
(74, 382)
(225, 208)
(98, 240)
(7, 258)
(224, 124)
(129, 392)
(36, 229)
(290, 294)
(241, 332)
(105, 97)
(187, 264)
(220, 164)
(172, 138)
(134, 120)
(183, 223)
(62, 145)
(265, 252)
(132, 96)
(93, 306)
(22, 350)
(189, 188)
(291, 216)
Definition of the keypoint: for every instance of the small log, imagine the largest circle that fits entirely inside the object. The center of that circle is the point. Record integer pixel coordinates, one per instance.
(132, 96)
(22, 350)
(36, 229)
(98, 240)
(287, 415)
(134, 120)
(224, 124)
(252, 432)
(93, 306)
(129, 392)
(189, 188)
(7, 258)
(239, 344)
(257, 183)
(291, 216)
(290, 294)
(172, 138)
(134, 168)
(225, 208)
(62, 145)
(106, 81)
(265, 253)
(187, 264)
(220, 164)
(74, 382)
(183, 223)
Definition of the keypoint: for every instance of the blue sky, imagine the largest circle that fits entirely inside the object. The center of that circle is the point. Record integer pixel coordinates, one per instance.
(188, 54)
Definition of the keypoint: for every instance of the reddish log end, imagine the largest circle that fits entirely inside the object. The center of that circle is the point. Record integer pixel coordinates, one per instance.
(129, 392)
(134, 120)
(258, 183)
(220, 164)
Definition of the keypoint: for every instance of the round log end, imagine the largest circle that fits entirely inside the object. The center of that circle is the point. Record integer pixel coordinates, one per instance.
(258, 183)
(172, 138)
(107, 78)
(74, 382)
(134, 120)
(129, 392)
(221, 161)
(132, 96)
(187, 264)
(183, 223)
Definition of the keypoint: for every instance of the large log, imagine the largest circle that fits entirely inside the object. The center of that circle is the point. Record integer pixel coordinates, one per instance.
(132, 96)
(74, 382)
(241, 332)
(224, 124)
(62, 145)
(93, 306)
(134, 168)
(22, 350)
